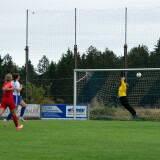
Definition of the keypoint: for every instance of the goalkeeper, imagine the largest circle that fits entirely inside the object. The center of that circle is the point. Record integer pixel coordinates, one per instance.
(123, 97)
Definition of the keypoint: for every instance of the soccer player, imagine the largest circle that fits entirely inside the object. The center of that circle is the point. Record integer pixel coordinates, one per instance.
(7, 100)
(16, 96)
(123, 97)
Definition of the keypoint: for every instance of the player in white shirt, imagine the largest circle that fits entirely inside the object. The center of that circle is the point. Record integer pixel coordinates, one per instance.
(17, 99)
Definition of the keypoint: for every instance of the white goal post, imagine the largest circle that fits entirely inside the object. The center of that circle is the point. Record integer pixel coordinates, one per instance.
(98, 88)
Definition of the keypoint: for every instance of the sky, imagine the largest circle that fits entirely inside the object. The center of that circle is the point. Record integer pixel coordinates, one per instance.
(13, 18)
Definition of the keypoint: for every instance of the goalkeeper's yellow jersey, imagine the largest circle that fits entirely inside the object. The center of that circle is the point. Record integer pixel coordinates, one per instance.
(122, 89)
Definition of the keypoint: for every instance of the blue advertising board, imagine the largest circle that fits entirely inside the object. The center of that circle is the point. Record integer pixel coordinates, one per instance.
(63, 111)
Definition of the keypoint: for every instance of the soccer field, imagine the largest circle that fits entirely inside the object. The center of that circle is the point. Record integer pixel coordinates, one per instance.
(81, 140)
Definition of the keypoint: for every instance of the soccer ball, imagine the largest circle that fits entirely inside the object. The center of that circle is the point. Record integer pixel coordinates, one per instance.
(138, 74)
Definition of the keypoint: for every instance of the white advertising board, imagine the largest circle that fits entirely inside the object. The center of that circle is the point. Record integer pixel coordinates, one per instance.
(32, 111)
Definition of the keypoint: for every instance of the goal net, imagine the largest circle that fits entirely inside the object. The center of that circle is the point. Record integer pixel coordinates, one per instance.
(98, 88)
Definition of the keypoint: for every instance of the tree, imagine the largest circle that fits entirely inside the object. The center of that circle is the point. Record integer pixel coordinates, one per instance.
(66, 65)
(7, 64)
(155, 56)
(51, 77)
(157, 47)
(1, 61)
(51, 71)
(138, 57)
(32, 75)
(107, 59)
(38, 95)
(92, 57)
(43, 65)
(97, 59)
(64, 72)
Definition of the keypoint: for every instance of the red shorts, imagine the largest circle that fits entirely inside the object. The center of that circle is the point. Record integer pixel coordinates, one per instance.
(8, 103)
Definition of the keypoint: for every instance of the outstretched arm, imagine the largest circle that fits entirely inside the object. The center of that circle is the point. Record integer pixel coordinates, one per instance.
(122, 81)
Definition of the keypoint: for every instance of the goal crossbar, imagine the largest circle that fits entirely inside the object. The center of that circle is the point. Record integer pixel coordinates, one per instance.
(127, 69)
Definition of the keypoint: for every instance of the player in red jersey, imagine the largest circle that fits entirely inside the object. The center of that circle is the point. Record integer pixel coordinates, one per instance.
(8, 101)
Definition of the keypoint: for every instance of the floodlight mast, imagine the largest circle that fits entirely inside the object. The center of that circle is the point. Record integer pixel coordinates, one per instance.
(75, 59)
(75, 94)
(125, 45)
(27, 52)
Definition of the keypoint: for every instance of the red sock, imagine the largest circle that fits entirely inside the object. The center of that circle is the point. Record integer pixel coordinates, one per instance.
(15, 120)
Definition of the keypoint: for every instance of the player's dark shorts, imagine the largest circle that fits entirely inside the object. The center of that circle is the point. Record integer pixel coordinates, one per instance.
(17, 100)
(8, 103)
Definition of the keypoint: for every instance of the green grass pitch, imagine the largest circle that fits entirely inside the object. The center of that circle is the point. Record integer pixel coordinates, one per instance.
(80, 140)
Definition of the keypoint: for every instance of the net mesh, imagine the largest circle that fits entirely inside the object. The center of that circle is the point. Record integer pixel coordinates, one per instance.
(51, 33)
(100, 41)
